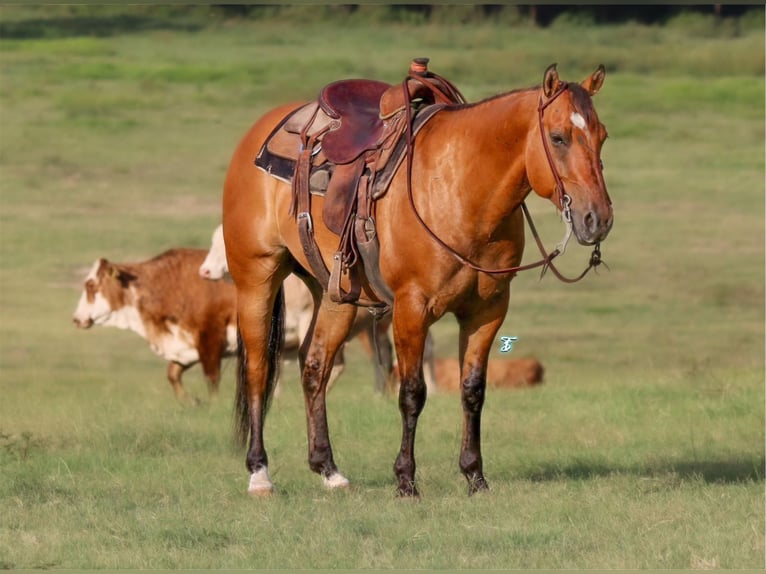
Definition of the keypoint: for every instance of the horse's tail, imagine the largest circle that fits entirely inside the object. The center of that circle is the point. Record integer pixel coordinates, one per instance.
(276, 344)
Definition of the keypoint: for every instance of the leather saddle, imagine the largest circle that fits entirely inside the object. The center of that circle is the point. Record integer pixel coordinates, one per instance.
(356, 103)
(347, 146)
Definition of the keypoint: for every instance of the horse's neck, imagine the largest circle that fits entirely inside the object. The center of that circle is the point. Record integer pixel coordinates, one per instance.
(489, 140)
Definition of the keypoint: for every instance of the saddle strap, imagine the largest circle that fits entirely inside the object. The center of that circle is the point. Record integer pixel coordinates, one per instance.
(310, 248)
(344, 262)
(369, 249)
(301, 207)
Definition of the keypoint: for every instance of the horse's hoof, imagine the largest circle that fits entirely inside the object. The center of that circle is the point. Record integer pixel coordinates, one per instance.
(260, 484)
(408, 490)
(260, 492)
(477, 485)
(335, 480)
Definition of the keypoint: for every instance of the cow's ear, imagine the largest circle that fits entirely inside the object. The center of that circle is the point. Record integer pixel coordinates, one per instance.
(122, 275)
(103, 267)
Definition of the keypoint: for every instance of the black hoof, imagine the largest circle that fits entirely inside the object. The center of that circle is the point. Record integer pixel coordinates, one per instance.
(477, 484)
(407, 489)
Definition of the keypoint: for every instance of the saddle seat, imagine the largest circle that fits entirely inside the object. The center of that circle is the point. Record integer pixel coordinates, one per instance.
(356, 103)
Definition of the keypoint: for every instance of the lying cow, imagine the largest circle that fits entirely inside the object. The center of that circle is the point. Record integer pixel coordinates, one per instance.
(185, 319)
(501, 373)
(299, 309)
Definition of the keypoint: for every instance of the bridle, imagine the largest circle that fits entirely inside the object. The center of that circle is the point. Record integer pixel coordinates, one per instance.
(565, 201)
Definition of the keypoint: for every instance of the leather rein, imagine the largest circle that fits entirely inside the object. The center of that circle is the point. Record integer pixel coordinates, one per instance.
(565, 201)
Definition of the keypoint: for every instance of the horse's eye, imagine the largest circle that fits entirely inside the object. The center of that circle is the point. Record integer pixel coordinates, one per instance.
(601, 164)
(558, 139)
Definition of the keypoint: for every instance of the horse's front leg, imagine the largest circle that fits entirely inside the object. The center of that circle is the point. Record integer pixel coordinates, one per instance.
(328, 331)
(409, 338)
(477, 333)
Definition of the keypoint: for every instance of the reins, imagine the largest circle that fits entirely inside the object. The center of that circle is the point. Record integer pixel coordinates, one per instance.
(565, 201)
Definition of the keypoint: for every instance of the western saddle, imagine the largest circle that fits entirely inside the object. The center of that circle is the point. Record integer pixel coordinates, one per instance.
(347, 146)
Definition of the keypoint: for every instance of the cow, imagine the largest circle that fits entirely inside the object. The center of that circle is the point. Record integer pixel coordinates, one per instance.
(501, 373)
(215, 266)
(185, 319)
(299, 309)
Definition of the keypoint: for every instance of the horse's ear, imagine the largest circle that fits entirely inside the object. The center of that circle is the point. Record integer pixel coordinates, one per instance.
(551, 81)
(595, 81)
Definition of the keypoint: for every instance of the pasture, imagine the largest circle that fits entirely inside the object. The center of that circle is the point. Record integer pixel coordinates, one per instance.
(643, 448)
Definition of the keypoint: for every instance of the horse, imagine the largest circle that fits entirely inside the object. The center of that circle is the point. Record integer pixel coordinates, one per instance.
(451, 237)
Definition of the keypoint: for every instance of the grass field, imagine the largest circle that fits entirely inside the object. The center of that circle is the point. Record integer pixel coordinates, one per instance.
(644, 448)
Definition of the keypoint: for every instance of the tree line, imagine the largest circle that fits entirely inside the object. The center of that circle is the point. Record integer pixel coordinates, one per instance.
(537, 14)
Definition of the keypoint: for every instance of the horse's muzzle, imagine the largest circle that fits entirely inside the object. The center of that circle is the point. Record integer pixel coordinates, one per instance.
(591, 227)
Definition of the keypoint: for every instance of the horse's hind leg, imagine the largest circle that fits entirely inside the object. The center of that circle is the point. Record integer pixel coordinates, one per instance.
(327, 333)
(260, 313)
(477, 333)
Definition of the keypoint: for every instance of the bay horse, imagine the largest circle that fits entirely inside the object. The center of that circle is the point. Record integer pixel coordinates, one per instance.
(451, 238)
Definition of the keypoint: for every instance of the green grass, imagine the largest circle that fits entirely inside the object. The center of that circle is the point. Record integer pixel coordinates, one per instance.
(642, 449)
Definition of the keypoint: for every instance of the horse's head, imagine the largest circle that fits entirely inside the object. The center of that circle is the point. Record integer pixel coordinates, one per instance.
(564, 154)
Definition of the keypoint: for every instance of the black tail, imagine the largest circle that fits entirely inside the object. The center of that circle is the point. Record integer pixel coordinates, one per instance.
(276, 344)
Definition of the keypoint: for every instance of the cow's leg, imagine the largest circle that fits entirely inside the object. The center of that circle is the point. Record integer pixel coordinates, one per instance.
(477, 333)
(409, 337)
(377, 344)
(260, 308)
(428, 364)
(328, 331)
(383, 353)
(338, 367)
(210, 348)
(175, 371)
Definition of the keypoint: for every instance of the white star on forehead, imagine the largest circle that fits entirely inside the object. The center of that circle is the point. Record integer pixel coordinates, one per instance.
(578, 120)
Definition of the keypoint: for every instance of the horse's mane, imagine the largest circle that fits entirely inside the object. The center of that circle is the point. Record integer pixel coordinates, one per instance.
(580, 98)
(468, 105)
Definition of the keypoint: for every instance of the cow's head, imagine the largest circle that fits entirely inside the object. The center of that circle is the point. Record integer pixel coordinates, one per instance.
(215, 266)
(105, 290)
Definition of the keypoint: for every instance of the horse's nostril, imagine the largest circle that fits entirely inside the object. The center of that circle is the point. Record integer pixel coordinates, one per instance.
(591, 221)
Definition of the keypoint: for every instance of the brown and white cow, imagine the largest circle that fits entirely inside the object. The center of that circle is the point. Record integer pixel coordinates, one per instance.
(185, 319)
(299, 309)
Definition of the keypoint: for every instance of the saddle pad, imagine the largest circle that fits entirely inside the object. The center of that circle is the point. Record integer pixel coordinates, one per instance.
(285, 140)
